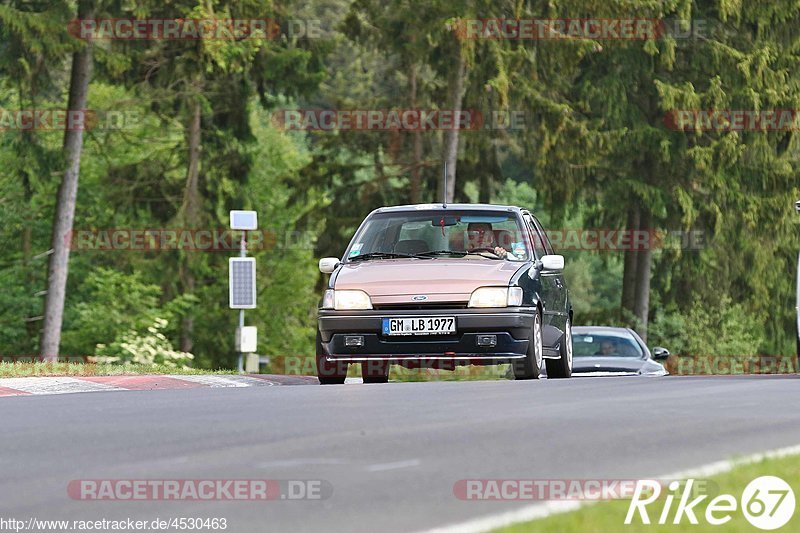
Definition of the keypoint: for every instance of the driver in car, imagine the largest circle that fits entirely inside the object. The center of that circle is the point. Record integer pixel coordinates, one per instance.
(607, 348)
(481, 237)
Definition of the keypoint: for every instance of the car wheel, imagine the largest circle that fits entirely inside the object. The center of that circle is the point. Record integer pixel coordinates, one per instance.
(329, 373)
(531, 366)
(562, 367)
(375, 371)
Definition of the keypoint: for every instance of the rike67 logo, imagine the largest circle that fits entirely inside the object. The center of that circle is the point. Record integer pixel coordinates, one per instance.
(767, 503)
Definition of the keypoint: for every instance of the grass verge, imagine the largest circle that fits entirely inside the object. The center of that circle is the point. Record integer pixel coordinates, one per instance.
(40, 369)
(608, 516)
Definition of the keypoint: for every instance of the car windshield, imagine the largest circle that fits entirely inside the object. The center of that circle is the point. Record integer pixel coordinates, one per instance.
(605, 345)
(469, 234)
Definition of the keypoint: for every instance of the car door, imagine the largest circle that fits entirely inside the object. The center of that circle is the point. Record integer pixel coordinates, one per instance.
(549, 288)
(561, 304)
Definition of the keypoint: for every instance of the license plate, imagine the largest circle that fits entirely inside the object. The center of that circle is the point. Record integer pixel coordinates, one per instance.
(424, 325)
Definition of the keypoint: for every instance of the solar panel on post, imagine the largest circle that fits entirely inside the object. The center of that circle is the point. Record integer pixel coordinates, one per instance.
(242, 282)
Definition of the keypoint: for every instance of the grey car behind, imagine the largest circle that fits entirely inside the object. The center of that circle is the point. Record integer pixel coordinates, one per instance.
(605, 350)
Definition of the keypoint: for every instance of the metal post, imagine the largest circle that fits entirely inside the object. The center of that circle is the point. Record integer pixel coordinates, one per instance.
(243, 221)
(242, 253)
(444, 185)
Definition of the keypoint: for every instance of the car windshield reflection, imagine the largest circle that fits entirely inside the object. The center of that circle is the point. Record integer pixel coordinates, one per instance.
(606, 345)
(458, 234)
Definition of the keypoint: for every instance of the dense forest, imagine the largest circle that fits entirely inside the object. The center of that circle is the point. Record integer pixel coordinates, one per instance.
(593, 133)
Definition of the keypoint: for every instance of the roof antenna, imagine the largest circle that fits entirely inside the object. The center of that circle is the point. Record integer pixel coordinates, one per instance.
(444, 189)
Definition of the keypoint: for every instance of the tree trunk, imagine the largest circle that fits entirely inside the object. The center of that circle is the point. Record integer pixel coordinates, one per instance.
(485, 189)
(65, 202)
(191, 216)
(488, 167)
(416, 163)
(629, 269)
(643, 262)
(450, 152)
(488, 164)
(31, 323)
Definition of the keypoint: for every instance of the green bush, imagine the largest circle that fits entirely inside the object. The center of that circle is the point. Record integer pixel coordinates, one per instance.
(729, 329)
(112, 303)
(152, 348)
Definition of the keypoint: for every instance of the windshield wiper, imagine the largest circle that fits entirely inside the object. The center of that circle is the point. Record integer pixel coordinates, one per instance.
(483, 253)
(462, 253)
(384, 255)
(459, 253)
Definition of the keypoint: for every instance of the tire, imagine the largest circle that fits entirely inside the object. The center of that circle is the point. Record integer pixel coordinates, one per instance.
(329, 373)
(562, 367)
(531, 366)
(375, 372)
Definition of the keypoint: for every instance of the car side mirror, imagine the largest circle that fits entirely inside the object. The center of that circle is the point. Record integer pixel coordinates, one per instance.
(660, 353)
(328, 264)
(553, 262)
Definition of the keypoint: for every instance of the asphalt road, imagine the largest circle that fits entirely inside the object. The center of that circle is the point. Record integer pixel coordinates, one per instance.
(391, 453)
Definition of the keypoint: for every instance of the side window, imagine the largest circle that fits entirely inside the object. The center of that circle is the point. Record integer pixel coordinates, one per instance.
(538, 242)
(546, 241)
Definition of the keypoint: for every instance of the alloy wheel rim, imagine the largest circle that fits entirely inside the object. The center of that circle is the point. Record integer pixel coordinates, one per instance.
(569, 344)
(537, 339)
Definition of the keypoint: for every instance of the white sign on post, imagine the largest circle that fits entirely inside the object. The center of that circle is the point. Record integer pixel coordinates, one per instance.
(244, 220)
(247, 339)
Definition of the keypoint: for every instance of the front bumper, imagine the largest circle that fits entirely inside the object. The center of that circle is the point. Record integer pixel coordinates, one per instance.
(511, 326)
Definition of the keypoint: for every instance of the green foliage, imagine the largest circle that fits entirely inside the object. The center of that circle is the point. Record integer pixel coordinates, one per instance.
(730, 329)
(115, 303)
(150, 348)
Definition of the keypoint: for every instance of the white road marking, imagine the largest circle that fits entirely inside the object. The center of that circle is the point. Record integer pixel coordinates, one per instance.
(382, 467)
(293, 463)
(224, 381)
(348, 381)
(54, 385)
(67, 385)
(538, 511)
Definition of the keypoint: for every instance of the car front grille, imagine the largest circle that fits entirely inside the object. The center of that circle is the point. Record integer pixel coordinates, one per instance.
(418, 307)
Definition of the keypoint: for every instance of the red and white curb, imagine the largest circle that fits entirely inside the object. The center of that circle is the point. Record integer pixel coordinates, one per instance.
(66, 385)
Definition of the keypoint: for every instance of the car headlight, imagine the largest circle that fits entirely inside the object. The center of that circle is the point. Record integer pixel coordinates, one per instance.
(496, 297)
(344, 300)
(327, 299)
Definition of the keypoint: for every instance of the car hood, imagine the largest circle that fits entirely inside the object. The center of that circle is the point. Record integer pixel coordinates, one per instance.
(617, 365)
(395, 281)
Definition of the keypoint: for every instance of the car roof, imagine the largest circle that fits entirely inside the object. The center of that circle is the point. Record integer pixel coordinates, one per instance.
(610, 330)
(440, 207)
(600, 329)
